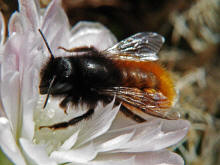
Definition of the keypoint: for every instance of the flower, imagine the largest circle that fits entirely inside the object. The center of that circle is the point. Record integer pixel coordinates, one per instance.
(106, 138)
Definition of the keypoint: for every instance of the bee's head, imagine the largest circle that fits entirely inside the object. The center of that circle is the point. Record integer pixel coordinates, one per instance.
(55, 75)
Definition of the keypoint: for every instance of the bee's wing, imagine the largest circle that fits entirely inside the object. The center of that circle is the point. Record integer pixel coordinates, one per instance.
(148, 101)
(139, 47)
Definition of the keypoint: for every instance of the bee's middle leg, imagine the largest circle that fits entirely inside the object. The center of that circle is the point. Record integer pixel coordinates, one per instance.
(71, 122)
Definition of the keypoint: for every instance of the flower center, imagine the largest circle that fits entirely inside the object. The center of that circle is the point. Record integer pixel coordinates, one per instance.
(53, 114)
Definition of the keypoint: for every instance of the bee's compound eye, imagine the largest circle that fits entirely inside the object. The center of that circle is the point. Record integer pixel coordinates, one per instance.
(64, 68)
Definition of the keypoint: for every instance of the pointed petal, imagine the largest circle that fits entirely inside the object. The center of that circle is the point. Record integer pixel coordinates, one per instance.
(149, 136)
(148, 158)
(54, 14)
(140, 131)
(8, 144)
(99, 124)
(91, 34)
(69, 143)
(55, 35)
(30, 11)
(2, 29)
(113, 142)
(170, 133)
(81, 155)
(36, 153)
(16, 24)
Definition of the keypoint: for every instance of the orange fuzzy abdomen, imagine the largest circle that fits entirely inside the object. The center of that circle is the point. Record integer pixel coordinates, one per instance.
(150, 75)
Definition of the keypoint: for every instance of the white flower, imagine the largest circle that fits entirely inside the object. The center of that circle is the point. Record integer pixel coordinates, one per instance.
(105, 139)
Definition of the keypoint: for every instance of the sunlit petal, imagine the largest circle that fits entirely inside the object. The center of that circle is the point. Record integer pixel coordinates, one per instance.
(8, 144)
(91, 34)
(36, 153)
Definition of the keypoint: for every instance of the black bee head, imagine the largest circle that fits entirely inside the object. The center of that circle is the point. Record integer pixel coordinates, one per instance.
(56, 76)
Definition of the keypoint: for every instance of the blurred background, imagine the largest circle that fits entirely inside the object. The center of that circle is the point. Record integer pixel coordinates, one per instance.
(190, 53)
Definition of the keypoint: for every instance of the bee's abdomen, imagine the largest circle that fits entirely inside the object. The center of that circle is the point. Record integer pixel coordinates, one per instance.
(135, 77)
(144, 75)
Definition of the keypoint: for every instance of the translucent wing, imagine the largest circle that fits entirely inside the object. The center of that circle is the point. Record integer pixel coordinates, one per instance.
(139, 47)
(147, 100)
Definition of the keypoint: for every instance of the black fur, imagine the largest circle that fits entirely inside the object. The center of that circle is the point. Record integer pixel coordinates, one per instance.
(78, 78)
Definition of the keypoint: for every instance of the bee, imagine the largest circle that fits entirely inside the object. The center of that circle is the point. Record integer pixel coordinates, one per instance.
(128, 71)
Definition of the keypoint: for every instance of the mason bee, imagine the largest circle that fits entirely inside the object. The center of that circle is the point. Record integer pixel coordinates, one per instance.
(128, 71)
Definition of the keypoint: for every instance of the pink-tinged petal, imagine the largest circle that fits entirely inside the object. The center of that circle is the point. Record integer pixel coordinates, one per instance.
(10, 61)
(91, 34)
(100, 123)
(55, 25)
(10, 99)
(29, 10)
(8, 144)
(2, 28)
(19, 53)
(16, 24)
(149, 136)
(80, 155)
(36, 154)
(59, 39)
(148, 158)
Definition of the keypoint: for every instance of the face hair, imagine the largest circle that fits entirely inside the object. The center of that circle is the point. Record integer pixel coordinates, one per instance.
(45, 41)
(48, 92)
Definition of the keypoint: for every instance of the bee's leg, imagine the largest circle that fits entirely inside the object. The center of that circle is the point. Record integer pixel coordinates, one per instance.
(79, 49)
(71, 122)
(64, 103)
(131, 115)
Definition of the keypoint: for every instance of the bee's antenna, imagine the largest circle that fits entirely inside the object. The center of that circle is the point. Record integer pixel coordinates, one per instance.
(48, 92)
(45, 41)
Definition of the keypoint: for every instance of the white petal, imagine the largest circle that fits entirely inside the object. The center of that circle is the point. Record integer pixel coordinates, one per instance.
(139, 131)
(10, 99)
(30, 11)
(91, 34)
(162, 139)
(99, 124)
(36, 153)
(69, 143)
(125, 161)
(159, 158)
(12, 50)
(83, 154)
(121, 121)
(55, 35)
(2, 28)
(8, 144)
(29, 100)
(149, 136)
(147, 158)
(15, 24)
(113, 142)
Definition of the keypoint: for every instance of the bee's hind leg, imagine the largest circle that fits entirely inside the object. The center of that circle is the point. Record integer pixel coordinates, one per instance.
(71, 122)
